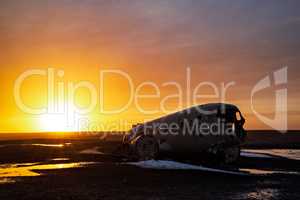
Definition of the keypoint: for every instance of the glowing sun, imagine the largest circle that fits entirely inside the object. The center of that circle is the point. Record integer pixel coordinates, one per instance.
(54, 122)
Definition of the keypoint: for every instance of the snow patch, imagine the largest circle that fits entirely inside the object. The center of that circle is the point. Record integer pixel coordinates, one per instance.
(173, 165)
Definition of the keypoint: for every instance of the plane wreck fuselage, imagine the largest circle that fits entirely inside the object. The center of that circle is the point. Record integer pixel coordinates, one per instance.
(214, 128)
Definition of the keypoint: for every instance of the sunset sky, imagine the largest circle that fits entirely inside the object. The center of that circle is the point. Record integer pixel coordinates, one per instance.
(220, 42)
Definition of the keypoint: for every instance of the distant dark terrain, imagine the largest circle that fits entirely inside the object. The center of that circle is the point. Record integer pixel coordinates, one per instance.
(273, 139)
(255, 138)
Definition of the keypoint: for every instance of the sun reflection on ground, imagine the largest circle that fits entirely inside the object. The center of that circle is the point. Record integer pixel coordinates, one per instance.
(27, 169)
(6, 180)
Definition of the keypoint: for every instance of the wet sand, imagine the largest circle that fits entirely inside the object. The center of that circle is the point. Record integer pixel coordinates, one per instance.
(108, 176)
(108, 181)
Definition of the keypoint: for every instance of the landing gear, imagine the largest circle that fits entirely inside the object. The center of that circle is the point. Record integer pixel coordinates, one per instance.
(230, 154)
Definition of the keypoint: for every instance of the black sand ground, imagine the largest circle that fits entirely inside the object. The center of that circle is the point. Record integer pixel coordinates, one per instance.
(109, 179)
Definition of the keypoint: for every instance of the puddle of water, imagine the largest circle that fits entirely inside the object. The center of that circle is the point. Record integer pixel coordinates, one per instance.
(263, 194)
(287, 153)
(4, 166)
(26, 169)
(60, 159)
(40, 144)
(6, 180)
(49, 145)
(257, 171)
(267, 172)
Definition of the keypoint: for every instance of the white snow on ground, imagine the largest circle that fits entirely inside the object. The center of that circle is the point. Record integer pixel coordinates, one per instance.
(254, 155)
(91, 151)
(173, 165)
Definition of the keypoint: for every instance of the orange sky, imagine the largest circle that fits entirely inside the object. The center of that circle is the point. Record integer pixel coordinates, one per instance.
(150, 41)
